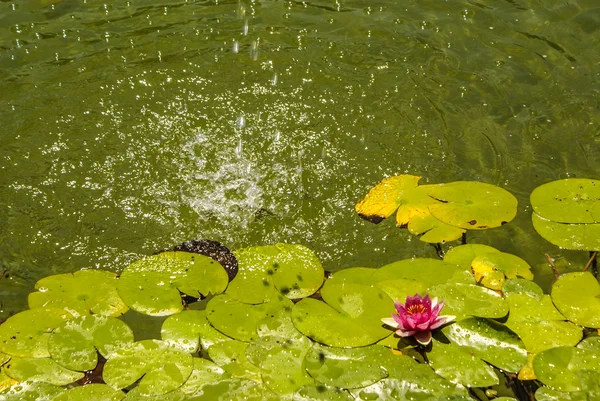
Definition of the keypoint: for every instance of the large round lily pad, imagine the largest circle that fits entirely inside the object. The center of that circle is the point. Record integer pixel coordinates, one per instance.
(190, 329)
(281, 361)
(158, 367)
(567, 368)
(231, 357)
(75, 343)
(463, 300)
(350, 315)
(569, 236)
(235, 389)
(347, 367)
(321, 392)
(239, 320)
(572, 200)
(31, 391)
(91, 392)
(82, 293)
(577, 296)
(26, 333)
(293, 270)
(490, 341)
(40, 370)
(204, 373)
(152, 285)
(459, 365)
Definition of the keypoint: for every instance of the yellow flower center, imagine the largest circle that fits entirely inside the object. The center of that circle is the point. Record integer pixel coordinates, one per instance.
(415, 309)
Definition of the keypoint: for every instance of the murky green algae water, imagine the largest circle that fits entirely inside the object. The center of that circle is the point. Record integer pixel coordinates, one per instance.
(130, 126)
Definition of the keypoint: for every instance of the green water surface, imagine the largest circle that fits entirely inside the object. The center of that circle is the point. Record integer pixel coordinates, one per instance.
(130, 126)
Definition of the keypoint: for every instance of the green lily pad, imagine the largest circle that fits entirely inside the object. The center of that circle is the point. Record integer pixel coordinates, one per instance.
(231, 356)
(577, 296)
(281, 362)
(239, 320)
(158, 367)
(547, 394)
(236, 389)
(26, 333)
(321, 392)
(152, 285)
(205, 372)
(458, 365)
(463, 300)
(491, 269)
(580, 237)
(91, 392)
(293, 270)
(74, 343)
(463, 255)
(567, 368)
(522, 286)
(31, 391)
(190, 329)
(572, 200)
(5, 381)
(4, 358)
(40, 370)
(472, 205)
(175, 395)
(350, 315)
(347, 367)
(490, 341)
(80, 293)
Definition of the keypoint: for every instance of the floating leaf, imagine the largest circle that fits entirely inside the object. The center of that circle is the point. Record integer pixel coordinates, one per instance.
(158, 367)
(577, 296)
(239, 320)
(568, 368)
(522, 286)
(26, 333)
(568, 236)
(463, 255)
(91, 392)
(188, 329)
(321, 392)
(547, 394)
(40, 370)
(491, 269)
(4, 358)
(441, 212)
(74, 343)
(5, 381)
(349, 316)
(80, 293)
(231, 356)
(175, 395)
(572, 200)
(458, 365)
(281, 362)
(205, 372)
(152, 285)
(293, 270)
(347, 367)
(490, 341)
(236, 389)
(31, 391)
(463, 300)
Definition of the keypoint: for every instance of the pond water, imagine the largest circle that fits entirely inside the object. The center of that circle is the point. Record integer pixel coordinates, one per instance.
(131, 126)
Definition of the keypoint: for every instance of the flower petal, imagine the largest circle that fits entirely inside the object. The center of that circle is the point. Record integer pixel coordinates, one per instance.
(388, 321)
(405, 333)
(441, 321)
(423, 337)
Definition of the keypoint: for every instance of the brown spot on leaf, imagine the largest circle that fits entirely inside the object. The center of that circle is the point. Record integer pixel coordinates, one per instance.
(473, 222)
(375, 219)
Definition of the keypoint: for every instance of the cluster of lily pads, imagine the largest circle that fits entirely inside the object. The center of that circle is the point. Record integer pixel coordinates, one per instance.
(280, 329)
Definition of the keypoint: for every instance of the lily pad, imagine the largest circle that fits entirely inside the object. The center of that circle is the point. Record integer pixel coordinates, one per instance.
(458, 365)
(490, 341)
(463, 255)
(26, 333)
(91, 392)
(40, 370)
(492, 269)
(281, 362)
(347, 367)
(205, 372)
(522, 286)
(577, 296)
(236, 389)
(231, 357)
(158, 367)
(31, 391)
(293, 270)
(4, 358)
(80, 293)
(385, 198)
(152, 285)
(547, 394)
(567, 368)
(75, 343)
(572, 200)
(239, 320)
(190, 329)
(463, 300)
(580, 237)
(175, 395)
(321, 392)
(349, 316)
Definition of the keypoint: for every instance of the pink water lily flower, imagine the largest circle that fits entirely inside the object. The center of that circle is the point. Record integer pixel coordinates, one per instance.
(417, 317)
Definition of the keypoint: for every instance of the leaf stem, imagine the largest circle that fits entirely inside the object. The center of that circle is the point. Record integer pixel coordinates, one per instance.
(592, 262)
(551, 263)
